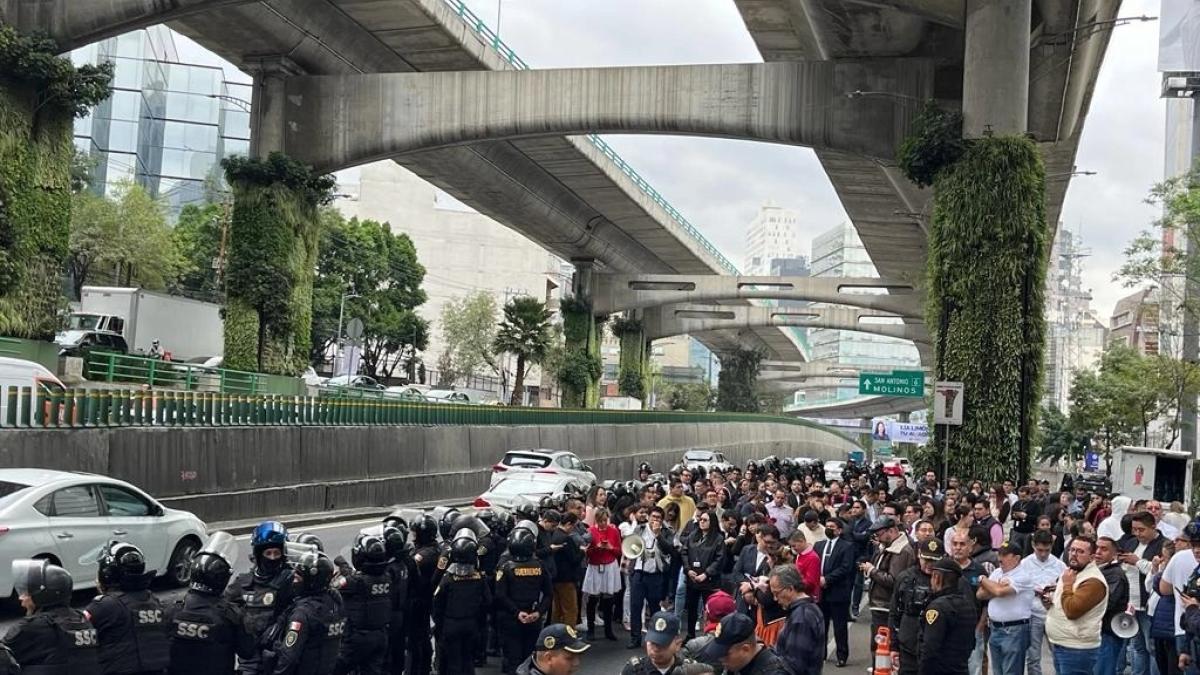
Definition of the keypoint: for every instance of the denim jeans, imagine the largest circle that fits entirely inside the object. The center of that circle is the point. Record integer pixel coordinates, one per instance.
(1141, 648)
(856, 596)
(1037, 635)
(975, 663)
(680, 599)
(643, 589)
(1009, 649)
(1069, 661)
(1109, 658)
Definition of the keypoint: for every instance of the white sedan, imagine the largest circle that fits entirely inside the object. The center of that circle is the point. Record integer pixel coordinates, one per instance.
(505, 492)
(709, 459)
(62, 516)
(549, 462)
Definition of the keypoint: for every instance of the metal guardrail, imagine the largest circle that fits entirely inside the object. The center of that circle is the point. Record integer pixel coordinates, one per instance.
(505, 52)
(111, 368)
(107, 408)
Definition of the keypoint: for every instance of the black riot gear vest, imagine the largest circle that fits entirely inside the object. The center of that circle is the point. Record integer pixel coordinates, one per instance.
(261, 599)
(368, 601)
(59, 641)
(204, 632)
(132, 631)
(321, 615)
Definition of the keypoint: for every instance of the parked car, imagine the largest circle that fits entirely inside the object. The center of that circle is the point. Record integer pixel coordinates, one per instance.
(63, 516)
(708, 459)
(406, 393)
(833, 469)
(506, 491)
(449, 396)
(558, 462)
(17, 373)
(354, 382)
(80, 342)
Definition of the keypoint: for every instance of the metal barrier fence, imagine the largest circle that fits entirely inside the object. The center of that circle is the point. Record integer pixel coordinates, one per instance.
(78, 408)
(122, 368)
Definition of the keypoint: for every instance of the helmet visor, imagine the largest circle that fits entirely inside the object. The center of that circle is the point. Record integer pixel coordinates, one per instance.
(373, 531)
(223, 545)
(294, 549)
(95, 555)
(28, 574)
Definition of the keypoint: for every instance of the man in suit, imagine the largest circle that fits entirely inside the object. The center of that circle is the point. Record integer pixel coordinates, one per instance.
(838, 556)
(753, 561)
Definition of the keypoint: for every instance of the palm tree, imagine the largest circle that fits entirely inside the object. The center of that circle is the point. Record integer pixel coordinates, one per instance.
(525, 331)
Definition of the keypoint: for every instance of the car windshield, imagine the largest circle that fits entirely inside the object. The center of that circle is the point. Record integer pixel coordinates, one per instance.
(526, 461)
(697, 455)
(83, 322)
(522, 486)
(10, 491)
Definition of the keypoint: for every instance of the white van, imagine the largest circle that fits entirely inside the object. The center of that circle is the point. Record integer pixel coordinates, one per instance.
(17, 373)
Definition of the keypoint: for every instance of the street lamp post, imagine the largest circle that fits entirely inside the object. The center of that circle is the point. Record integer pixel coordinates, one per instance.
(342, 314)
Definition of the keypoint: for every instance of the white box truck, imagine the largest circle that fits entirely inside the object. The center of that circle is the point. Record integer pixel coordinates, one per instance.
(186, 328)
(1158, 473)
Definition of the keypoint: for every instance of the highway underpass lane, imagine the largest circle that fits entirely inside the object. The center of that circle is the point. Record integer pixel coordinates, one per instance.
(605, 657)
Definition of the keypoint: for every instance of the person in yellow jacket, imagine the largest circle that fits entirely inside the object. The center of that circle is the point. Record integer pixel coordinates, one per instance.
(687, 507)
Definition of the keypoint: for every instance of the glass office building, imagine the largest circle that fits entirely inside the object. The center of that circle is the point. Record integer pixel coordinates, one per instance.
(167, 125)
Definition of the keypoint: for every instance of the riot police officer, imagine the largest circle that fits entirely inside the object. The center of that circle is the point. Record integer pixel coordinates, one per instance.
(948, 628)
(266, 590)
(52, 639)
(400, 571)
(491, 546)
(459, 604)
(306, 638)
(421, 587)
(366, 591)
(206, 631)
(130, 621)
(523, 594)
(908, 606)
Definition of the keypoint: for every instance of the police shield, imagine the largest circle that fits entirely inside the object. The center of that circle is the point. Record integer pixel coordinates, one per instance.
(95, 555)
(28, 575)
(222, 545)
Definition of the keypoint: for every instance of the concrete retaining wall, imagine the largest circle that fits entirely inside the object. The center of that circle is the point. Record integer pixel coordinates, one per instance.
(246, 472)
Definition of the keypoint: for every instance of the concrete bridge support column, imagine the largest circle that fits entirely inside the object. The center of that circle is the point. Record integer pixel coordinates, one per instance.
(580, 379)
(996, 67)
(273, 236)
(635, 355)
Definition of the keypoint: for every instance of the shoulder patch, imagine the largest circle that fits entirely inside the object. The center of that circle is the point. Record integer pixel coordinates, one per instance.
(499, 575)
(931, 616)
(634, 661)
(443, 562)
(289, 640)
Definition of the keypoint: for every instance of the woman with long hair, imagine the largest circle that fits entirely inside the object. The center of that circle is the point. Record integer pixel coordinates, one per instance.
(603, 577)
(597, 497)
(963, 520)
(999, 505)
(703, 559)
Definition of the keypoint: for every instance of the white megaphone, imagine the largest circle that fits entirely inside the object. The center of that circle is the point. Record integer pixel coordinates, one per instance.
(1124, 625)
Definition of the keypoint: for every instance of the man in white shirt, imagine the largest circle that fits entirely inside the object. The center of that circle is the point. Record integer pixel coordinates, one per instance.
(1137, 564)
(1010, 591)
(1168, 530)
(1044, 570)
(1179, 571)
(781, 514)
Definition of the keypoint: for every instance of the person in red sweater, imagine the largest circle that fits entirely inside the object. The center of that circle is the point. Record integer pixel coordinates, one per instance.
(807, 562)
(603, 577)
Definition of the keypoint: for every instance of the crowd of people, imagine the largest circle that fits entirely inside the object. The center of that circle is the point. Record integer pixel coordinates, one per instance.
(742, 571)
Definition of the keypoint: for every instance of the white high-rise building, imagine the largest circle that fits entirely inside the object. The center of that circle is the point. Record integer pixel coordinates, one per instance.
(772, 235)
(1075, 336)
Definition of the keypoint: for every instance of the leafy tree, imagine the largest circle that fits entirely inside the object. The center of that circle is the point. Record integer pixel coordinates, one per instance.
(468, 336)
(128, 235)
(366, 258)
(737, 389)
(82, 165)
(1152, 258)
(691, 397)
(197, 237)
(1059, 437)
(525, 332)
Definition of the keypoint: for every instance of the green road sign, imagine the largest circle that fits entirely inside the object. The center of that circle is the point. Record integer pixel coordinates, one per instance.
(898, 383)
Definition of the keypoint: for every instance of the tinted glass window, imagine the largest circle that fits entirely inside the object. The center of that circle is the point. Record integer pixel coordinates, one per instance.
(78, 501)
(9, 491)
(526, 461)
(123, 503)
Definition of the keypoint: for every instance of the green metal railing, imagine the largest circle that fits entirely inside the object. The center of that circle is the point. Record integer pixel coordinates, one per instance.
(45, 353)
(26, 408)
(121, 368)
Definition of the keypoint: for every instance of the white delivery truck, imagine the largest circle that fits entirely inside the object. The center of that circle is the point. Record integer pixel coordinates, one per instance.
(1158, 473)
(18, 373)
(186, 328)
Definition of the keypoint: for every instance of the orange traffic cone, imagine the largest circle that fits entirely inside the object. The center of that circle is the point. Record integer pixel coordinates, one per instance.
(883, 653)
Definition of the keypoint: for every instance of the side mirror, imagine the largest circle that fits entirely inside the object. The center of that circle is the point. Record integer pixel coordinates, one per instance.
(157, 511)
(587, 467)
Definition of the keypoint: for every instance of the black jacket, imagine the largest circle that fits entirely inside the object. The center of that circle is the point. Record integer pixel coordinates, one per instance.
(703, 555)
(1118, 593)
(766, 662)
(838, 569)
(745, 565)
(802, 641)
(948, 633)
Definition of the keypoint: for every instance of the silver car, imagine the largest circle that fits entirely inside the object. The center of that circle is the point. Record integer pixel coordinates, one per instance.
(709, 459)
(542, 461)
(63, 516)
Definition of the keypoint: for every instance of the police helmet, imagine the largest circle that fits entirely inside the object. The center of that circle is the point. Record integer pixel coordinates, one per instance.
(313, 572)
(268, 534)
(548, 502)
(48, 585)
(472, 523)
(121, 562)
(309, 539)
(395, 518)
(395, 540)
(210, 573)
(524, 509)
(950, 570)
(424, 530)
(504, 523)
(446, 525)
(464, 547)
(645, 467)
(1192, 532)
(369, 553)
(521, 543)
(488, 516)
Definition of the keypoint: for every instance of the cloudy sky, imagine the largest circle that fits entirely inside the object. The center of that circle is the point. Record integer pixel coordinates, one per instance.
(720, 184)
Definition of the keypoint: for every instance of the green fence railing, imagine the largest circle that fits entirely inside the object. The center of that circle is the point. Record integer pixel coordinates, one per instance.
(121, 368)
(23, 407)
